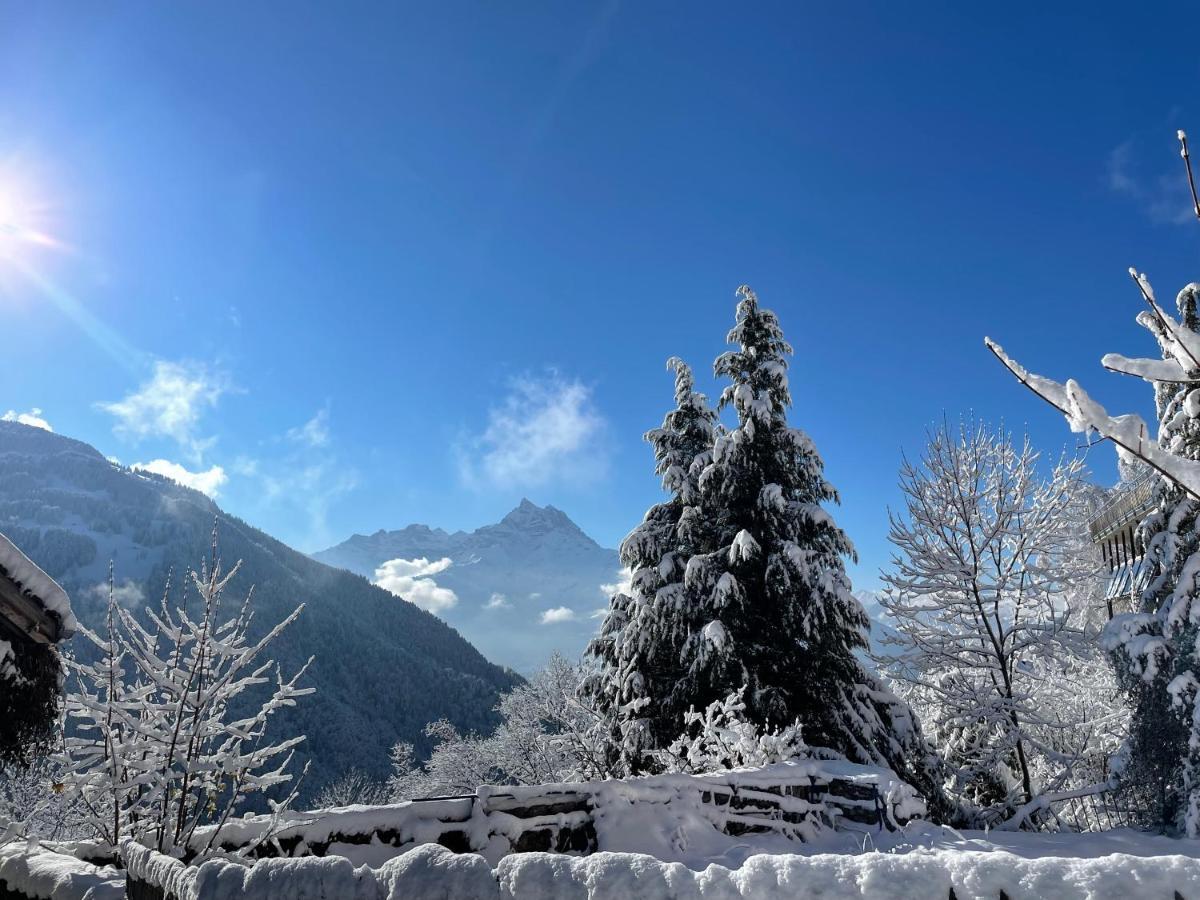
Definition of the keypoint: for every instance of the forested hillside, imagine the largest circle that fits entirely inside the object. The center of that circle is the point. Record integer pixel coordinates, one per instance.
(383, 667)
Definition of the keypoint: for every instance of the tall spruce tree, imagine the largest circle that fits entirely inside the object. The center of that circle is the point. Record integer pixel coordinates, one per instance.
(637, 651)
(769, 605)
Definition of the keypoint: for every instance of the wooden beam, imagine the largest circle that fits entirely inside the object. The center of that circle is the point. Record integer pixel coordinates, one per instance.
(27, 615)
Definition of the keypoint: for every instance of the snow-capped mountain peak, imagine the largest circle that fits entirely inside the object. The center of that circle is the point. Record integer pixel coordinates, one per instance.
(523, 587)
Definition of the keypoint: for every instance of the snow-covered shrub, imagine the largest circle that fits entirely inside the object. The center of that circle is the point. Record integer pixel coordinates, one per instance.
(354, 788)
(33, 799)
(546, 735)
(167, 731)
(721, 738)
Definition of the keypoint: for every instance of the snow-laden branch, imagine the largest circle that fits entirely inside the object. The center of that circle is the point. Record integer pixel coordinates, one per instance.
(1128, 432)
(156, 750)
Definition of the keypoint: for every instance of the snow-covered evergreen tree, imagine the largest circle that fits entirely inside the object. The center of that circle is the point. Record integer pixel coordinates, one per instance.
(768, 604)
(1155, 646)
(635, 672)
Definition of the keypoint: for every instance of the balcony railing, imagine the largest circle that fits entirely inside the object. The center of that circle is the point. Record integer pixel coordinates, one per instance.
(1127, 506)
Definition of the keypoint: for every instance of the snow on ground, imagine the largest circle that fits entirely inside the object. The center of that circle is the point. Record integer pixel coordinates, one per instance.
(433, 873)
(917, 875)
(41, 873)
(918, 863)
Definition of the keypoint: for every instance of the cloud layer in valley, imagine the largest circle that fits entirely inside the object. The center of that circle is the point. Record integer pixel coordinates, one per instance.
(410, 579)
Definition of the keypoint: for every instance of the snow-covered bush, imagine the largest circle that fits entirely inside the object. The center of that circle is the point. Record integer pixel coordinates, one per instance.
(721, 737)
(355, 787)
(167, 732)
(546, 735)
(34, 800)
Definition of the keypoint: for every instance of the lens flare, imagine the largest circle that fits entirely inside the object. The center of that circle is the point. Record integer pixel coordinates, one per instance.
(24, 218)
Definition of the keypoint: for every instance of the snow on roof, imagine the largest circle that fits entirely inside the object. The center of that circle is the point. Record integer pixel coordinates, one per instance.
(36, 584)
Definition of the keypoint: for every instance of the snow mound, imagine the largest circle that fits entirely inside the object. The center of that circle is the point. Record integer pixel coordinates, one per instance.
(918, 875)
(44, 874)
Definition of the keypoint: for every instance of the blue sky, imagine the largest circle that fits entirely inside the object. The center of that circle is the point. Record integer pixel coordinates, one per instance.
(386, 263)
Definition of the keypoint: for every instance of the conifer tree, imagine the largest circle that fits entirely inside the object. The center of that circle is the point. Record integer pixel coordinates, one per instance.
(1154, 647)
(636, 654)
(769, 605)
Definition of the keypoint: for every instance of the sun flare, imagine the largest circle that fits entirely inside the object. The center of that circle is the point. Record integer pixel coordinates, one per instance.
(27, 227)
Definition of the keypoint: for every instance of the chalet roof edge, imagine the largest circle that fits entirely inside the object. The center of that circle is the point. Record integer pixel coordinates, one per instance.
(35, 583)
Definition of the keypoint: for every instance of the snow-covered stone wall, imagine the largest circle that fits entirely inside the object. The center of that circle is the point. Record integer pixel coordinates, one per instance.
(795, 800)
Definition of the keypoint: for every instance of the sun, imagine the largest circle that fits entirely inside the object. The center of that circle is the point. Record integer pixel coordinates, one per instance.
(26, 220)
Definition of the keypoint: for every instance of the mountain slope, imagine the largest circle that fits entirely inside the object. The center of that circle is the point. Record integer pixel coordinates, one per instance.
(535, 559)
(383, 667)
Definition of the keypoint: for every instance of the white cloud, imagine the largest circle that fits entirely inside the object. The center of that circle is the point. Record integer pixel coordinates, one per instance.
(1163, 198)
(497, 601)
(207, 482)
(598, 613)
(128, 594)
(170, 405)
(558, 614)
(623, 584)
(408, 578)
(544, 430)
(32, 418)
(314, 432)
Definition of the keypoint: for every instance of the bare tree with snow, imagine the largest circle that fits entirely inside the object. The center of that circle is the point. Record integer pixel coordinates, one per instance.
(167, 731)
(988, 556)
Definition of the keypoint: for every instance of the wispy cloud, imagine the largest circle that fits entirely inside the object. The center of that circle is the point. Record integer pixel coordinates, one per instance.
(497, 601)
(207, 481)
(305, 478)
(33, 418)
(314, 432)
(558, 614)
(170, 404)
(1163, 197)
(544, 430)
(128, 593)
(410, 579)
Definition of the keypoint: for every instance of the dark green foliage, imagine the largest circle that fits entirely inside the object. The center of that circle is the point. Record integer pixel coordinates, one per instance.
(742, 582)
(29, 700)
(635, 683)
(1154, 647)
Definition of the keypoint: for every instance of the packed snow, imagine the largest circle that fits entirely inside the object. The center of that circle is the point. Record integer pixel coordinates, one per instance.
(41, 873)
(919, 862)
